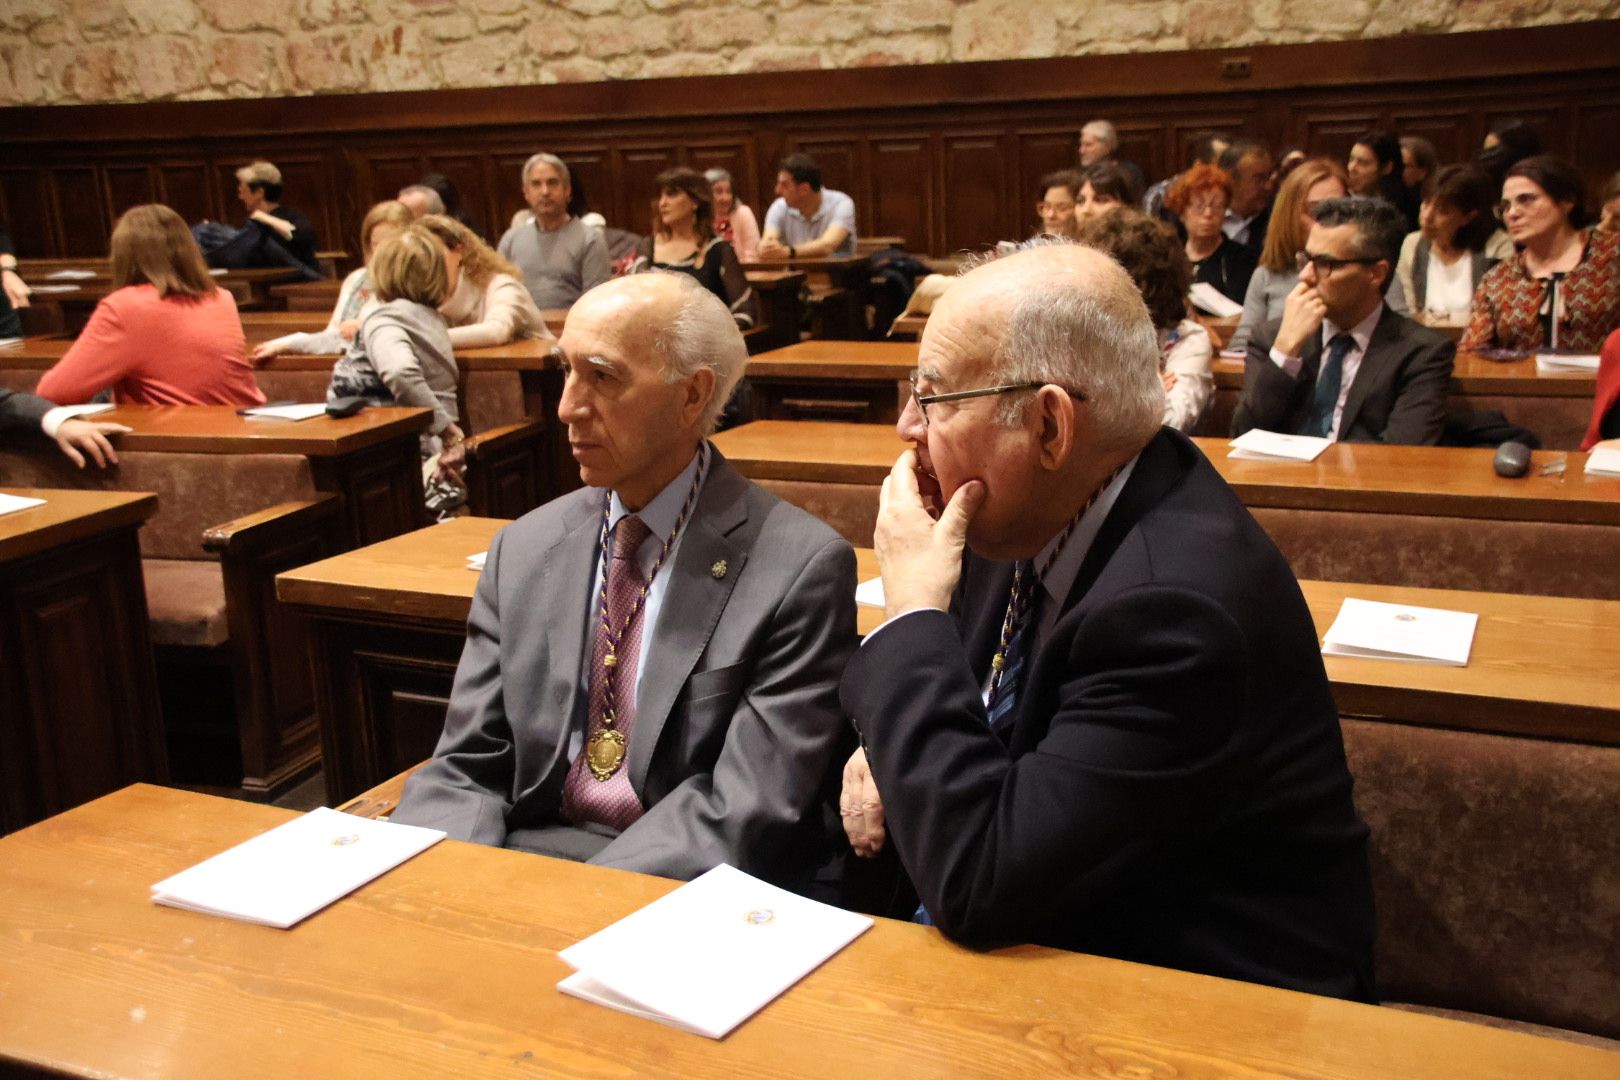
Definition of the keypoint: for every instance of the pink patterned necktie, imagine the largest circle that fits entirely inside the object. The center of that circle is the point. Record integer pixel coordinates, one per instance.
(613, 801)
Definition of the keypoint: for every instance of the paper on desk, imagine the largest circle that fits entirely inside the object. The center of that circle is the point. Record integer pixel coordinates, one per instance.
(70, 411)
(709, 955)
(1206, 297)
(1257, 445)
(8, 342)
(287, 412)
(1566, 363)
(1377, 631)
(280, 877)
(476, 562)
(219, 271)
(69, 275)
(870, 593)
(1233, 354)
(10, 503)
(55, 288)
(1603, 461)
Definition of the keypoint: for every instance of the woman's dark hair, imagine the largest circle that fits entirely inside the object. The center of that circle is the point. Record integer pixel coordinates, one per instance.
(1063, 178)
(1516, 140)
(693, 185)
(1466, 188)
(1387, 149)
(1106, 178)
(446, 190)
(1559, 179)
(1151, 253)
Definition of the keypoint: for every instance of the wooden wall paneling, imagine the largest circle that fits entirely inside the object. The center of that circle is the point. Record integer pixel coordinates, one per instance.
(81, 211)
(901, 179)
(183, 186)
(1331, 134)
(1450, 130)
(384, 175)
(127, 186)
(1037, 152)
(977, 199)
(1596, 142)
(591, 168)
(506, 166)
(1143, 145)
(633, 192)
(27, 219)
(737, 157)
(473, 181)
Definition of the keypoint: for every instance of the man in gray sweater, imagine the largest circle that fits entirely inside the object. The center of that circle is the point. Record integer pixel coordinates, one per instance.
(560, 258)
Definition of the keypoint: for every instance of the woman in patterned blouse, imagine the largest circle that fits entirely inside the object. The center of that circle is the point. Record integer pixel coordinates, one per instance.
(1543, 208)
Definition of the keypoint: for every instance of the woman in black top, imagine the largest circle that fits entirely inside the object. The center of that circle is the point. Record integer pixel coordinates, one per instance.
(684, 240)
(1200, 197)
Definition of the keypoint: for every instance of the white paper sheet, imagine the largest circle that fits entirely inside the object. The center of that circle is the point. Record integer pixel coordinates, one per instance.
(54, 288)
(1604, 461)
(8, 342)
(70, 275)
(476, 562)
(709, 955)
(1377, 631)
(287, 412)
(870, 593)
(1257, 445)
(1208, 298)
(285, 875)
(1563, 364)
(12, 503)
(70, 411)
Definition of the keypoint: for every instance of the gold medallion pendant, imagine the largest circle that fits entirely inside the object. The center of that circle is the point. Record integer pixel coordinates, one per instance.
(605, 753)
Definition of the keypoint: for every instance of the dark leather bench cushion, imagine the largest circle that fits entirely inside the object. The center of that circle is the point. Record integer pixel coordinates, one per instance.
(1496, 870)
(185, 600)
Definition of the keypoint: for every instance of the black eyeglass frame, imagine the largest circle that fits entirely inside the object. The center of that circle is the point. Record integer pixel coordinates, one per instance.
(925, 400)
(1326, 264)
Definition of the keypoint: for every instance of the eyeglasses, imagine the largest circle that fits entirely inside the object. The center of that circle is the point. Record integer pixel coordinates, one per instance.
(925, 400)
(1054, 207)
(1326, 264)
(1522, 201)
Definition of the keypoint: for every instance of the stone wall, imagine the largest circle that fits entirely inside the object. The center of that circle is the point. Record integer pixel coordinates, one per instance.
(85, 51)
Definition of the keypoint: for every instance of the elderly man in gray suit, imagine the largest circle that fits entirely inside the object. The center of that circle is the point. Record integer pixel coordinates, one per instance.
(650, 679)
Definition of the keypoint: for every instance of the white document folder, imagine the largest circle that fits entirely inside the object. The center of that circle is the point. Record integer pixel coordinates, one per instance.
(709, 955)
(870, 593)
(1377, 631)
(1208, 298)
(10, 503)
(1258, 445)
(1603, 461)
(281, 877)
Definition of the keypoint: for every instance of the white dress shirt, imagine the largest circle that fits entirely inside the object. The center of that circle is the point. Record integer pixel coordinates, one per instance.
(1360, 334)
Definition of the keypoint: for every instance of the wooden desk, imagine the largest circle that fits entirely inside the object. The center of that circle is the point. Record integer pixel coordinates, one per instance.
(1394, 515)
(250, 289)
(862, 381)
(845, 282)
(447, 966)
(79, 712)
(311, 296)
(778, 292)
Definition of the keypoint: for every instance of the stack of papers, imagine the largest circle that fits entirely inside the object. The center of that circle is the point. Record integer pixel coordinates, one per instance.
(1377, 631)
(71, 275)
(1604, 461)
(286, 412)
(709, 955)
(287, 874)
(1208, 298)
(12, 503)
(1257, 445)
(1566, 364)
(476, 562)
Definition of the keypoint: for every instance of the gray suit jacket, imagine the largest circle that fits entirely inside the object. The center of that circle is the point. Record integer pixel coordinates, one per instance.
(22, 412)
(1398, 396)
(737, 731)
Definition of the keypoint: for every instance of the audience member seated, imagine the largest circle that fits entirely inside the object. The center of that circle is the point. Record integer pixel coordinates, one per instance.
(273, 235)
(1152, 256)
(561, 258)
(488, 304)
(683, 241)
(1606, 402)
(1342, 364)
(650, 675)
(807, 220)
(1203, 148)
(78, 439)
(1544, 208)
(166, 334)
(1278, 270)
(450, 196)
(401, 354)
(733, 220)
(1505, 145)
(14, 291)
(1058, 197)
(1609, 221)
(1250, 166)
(1103, 188)
(383, 220)
(1104, 725)
(1442, 263)
(1374, 168)
(421, 200)
(1099, 145)
(1291, 159)
(1419, 163)
(1199, 200)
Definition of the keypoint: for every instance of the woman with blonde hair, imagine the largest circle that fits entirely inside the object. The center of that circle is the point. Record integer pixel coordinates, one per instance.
(1291, 222)
(166, 335)
(385, 219)
(489, 305)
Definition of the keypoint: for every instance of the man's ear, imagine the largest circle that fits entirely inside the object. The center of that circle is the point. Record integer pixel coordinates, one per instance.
(1056, 413)
(699, 389)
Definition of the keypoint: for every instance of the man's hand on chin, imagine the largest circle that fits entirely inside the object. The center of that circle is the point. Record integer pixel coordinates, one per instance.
(920, 558)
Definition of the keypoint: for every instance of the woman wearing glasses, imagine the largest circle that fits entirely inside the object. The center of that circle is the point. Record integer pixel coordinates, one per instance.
(1059, 193)
(1276, 276)
(1200, 198)
(1562, 290)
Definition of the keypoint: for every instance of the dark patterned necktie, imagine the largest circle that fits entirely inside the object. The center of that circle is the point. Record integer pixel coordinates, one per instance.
(1328, 382)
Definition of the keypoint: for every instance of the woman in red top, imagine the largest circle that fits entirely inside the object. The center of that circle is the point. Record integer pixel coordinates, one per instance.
(1543, 208)
(168, 335)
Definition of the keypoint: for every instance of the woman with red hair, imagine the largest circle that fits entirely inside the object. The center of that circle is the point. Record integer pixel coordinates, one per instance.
(1201, 197)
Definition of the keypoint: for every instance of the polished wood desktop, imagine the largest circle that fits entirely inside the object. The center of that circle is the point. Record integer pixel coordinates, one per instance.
(860, 381)
(839, 288)
(447, 966)
(79, 712)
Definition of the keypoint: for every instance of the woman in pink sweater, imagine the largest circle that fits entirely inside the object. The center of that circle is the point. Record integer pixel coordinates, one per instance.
(168, 335)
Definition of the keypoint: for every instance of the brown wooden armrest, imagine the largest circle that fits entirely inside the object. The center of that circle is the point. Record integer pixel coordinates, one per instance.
(506, 469)
(382, 799)
(307, 514)
(503, 438)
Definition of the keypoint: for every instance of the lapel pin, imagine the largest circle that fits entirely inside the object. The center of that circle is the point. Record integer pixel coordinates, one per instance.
(718, 570)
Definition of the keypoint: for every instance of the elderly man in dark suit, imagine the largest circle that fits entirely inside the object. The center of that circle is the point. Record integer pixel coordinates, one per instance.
(650, 675)
(1341, 363)
(1105, 726)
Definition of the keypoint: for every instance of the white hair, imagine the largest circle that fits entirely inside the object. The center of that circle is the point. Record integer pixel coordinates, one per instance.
(548, 159)
(1086, 332)
(430, 198)
(1103, 130)
(702, 335)
(259, 172)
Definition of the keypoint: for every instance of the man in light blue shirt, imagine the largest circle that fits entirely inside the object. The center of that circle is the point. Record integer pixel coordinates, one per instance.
(807, 220)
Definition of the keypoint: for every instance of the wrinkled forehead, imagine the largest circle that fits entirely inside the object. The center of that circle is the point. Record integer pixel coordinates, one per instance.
(968, 324)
